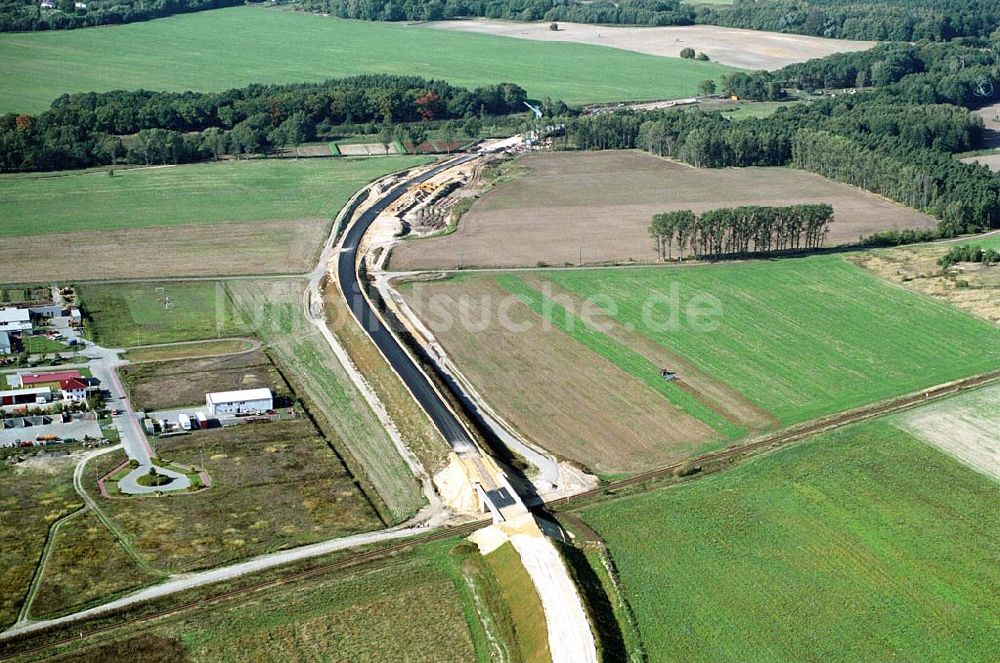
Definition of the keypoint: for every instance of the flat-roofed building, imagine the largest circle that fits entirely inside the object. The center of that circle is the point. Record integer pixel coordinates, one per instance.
(246, 401)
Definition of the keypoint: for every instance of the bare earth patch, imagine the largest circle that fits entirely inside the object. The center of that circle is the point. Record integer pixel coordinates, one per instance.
(168, 384)
(552, 389)
(746, 49)
(262, 247)
(967, 427)
(595, 207)
(971, 287)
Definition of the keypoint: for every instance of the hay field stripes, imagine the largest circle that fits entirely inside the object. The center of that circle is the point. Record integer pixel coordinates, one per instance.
(866, 516)
(194, 52)
(546, 384)
(619, 354)
(825, 357)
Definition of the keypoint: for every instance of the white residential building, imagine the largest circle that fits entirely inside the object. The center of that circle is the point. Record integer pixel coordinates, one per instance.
(246, 401)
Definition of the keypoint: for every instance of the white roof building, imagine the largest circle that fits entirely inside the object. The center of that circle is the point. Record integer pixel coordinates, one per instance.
(15, 319)
(246, 401)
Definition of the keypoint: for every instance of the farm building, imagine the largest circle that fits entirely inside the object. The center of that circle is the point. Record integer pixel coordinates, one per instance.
(6, 343)
(34, 396)
(15, 319)
(51, 380)
(246, 401)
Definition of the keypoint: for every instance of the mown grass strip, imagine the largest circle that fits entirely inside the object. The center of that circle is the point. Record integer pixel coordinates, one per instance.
(620, 355)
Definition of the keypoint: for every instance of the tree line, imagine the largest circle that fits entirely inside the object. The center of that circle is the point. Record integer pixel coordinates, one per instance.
(629, 12)
(885, 20)
(896, 138)
(740, 231)
(881, 20)
(30, 16)
(969, 253)
(140, 126)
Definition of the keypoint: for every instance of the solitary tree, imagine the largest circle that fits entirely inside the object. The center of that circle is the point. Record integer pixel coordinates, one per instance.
(706, 87)
(687, 53)
(386, 135)
(554, 26)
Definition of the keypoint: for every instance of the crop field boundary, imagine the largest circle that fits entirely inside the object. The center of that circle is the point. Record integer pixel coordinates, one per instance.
(782, 438)
(570, 503)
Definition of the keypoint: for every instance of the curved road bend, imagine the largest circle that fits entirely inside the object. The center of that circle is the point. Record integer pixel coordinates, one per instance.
(347, 274)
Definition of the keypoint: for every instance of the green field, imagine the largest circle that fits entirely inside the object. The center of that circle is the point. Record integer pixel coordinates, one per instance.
(224, 192)
(221, 49)
(123, 315)
(864, 544)
(32, 499)
(414, 607)
(800, 338)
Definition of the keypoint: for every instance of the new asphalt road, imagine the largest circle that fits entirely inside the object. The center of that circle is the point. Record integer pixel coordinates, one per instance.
(347, 274)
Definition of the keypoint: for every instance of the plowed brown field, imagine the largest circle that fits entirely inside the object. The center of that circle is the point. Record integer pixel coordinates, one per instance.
(595, 207)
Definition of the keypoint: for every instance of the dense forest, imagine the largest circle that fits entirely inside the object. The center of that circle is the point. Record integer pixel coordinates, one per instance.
(885, 20)
(895, 138)
(740, 231)
(881, 20)
(87, 129)
(31, 15)
(628, 12)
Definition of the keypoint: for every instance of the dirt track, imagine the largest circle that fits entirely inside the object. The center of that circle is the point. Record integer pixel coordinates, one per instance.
(595, 207)
(746, 49)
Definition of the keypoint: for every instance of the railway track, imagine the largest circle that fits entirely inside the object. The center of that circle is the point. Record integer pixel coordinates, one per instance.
(794, 434)
(777, 439)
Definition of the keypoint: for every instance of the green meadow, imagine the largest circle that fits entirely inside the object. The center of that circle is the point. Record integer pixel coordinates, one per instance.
(801, 338)
(222, 192)
(863, 544)
(226, 48)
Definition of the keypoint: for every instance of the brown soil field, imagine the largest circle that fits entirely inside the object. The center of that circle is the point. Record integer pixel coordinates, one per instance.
(746, 49)
(555, 391)
(971, 287)
(595, 207)
(725, 400)
(196, 250)
(169, 384)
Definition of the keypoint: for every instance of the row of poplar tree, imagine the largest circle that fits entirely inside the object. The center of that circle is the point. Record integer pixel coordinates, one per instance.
(735, 231)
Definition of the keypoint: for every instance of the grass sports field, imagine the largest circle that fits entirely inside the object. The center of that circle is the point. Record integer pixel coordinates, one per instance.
(595, 207)
(796, 339)
(195, 52)
(242, 217)
(127, 314)
(760, 561)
